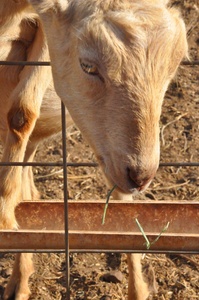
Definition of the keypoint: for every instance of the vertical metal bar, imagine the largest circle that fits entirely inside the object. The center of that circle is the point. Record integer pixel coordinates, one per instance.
(65, 201)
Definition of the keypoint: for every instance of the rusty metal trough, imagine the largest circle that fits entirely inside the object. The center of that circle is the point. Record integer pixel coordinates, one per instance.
(42, 226)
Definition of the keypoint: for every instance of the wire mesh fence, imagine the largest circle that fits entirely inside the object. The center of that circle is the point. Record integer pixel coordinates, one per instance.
(64, 164)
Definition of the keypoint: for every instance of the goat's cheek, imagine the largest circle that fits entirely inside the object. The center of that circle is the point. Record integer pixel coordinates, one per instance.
(90, 87)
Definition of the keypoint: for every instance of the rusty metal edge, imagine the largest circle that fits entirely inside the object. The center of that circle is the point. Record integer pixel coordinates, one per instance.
(103, 240)
(96, 251)
(152, 215)
(103, 201)
(115, 241)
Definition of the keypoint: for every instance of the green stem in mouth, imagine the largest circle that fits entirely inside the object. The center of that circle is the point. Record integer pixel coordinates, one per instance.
(106, 205)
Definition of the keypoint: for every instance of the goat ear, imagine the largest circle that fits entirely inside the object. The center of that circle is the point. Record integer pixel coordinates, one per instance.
(180, 46)
(45, 6)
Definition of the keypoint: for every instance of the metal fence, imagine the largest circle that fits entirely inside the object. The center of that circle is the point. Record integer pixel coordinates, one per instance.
(190, 208)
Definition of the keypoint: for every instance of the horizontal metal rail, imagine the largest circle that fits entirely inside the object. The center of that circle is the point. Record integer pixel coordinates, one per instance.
(42, 226)
(87, 164)
(47, 63)
(24, 63)
(42, 164)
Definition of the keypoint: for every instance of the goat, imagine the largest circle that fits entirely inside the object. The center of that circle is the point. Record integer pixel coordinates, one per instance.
(111, 62)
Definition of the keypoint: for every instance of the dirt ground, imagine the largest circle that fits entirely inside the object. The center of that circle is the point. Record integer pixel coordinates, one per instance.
(177, 275)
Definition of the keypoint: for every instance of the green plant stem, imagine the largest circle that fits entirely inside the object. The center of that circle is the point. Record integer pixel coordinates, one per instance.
(148, 244)
(163, 230)
(143, 233)
(106, 205)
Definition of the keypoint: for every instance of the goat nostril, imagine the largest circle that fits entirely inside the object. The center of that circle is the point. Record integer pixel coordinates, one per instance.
(139, 180)
(135, 181)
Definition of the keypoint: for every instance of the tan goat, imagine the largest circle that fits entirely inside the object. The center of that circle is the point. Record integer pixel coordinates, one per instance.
(111, 62)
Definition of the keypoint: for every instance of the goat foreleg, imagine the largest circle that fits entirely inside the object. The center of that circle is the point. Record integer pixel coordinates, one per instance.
(24, 102)
(138, 289)
(18, 283)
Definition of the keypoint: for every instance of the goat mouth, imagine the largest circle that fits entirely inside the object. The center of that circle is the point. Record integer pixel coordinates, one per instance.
(130, 187)
(124, 183)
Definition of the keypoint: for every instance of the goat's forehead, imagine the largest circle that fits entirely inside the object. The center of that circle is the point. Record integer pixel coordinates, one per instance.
(133, 27)
(117, 39)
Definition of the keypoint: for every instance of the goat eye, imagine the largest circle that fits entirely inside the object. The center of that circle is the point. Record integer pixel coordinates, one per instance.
(89, 68)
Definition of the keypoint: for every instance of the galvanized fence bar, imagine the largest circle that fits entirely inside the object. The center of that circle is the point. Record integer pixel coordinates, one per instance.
(63, 115)
(87, 164)
(47, 63)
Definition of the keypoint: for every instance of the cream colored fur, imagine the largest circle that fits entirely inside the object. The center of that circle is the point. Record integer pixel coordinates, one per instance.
(134, 47)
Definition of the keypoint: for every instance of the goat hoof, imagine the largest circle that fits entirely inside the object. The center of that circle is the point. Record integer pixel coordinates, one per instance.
(18, 297)
(9, 225)
(22, 296)
(10, 292)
